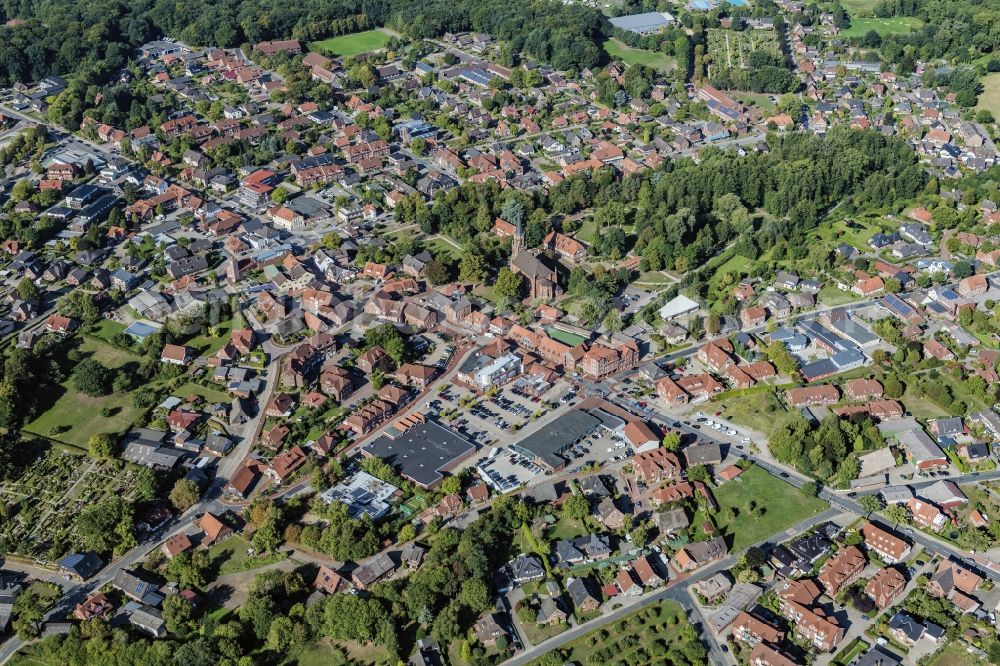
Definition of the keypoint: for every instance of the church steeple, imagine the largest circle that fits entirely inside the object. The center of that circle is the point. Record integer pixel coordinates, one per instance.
(518, 244)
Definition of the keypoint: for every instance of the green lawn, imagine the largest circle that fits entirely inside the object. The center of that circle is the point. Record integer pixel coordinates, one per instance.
(106, 329)
(653, 278)
(627, 641)
(441, 248)
(566, 528)
(990, 97)
(79, 414)
(856, 7)
(899, 25)
(537, 634)
(850, 651)
(761, 410)
(631, 56)
(759, 100)
(587, 231)
(230, 556)
(831, 295)
(207, 394)
(348, 45)
(955, 655)
(213, 340)
(784, 506)
(326, 652)
(735, 264)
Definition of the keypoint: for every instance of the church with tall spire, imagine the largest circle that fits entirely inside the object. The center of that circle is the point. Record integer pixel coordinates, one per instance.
(543, 281)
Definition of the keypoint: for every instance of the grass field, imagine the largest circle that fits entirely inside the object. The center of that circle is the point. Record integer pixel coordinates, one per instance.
(348, 45)
(631, 56)
(783, 504)
(81, 414)
(761, 411)
(208, 344)
(990, 97)
(207, 394)
(627, 640)
(955, 655)
(107, 328)
(441, 248)
(831, 295)
(758, 100)
(326, 652)
(856, 7)
(899, 25)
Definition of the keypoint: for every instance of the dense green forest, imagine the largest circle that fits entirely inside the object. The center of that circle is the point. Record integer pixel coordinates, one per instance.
(98, 36)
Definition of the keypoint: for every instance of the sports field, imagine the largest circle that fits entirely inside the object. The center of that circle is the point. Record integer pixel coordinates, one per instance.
(899, 25)
(348, 45)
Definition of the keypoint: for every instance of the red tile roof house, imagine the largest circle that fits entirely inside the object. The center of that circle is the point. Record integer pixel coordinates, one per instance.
(700, 553)
(937, 350)
(96, 605)
(175, 354)
(243, 340)
(753, 317)
(281, 405)
(59, 324)
(286, 463)
(825, 394)
(374, 358)
(641, 436)
(974, 285)
(654, 467)
(646, 572)
(888, 546)
(863, 389)
(752, 630)
(716, 354)
(416, 374)
(627, 584)
(329, 581)
(215, 530)
(841, 570)
(885, 587)
(921, 215)
(176, 545)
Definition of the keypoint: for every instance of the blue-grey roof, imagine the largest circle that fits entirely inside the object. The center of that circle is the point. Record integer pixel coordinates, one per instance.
(645, 22)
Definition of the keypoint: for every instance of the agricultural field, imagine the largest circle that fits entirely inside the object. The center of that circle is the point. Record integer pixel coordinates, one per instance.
(731, 49)
(631, 56)
(899, 25)
(990, 97)
(349, 45)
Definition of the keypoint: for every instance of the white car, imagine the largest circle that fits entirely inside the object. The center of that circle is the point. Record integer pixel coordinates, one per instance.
(745, 440)
(610, 449)
(732, 433)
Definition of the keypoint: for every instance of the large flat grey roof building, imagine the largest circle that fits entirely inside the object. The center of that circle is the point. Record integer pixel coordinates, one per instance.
(422, 453)
(551, 440)
(643, 24)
